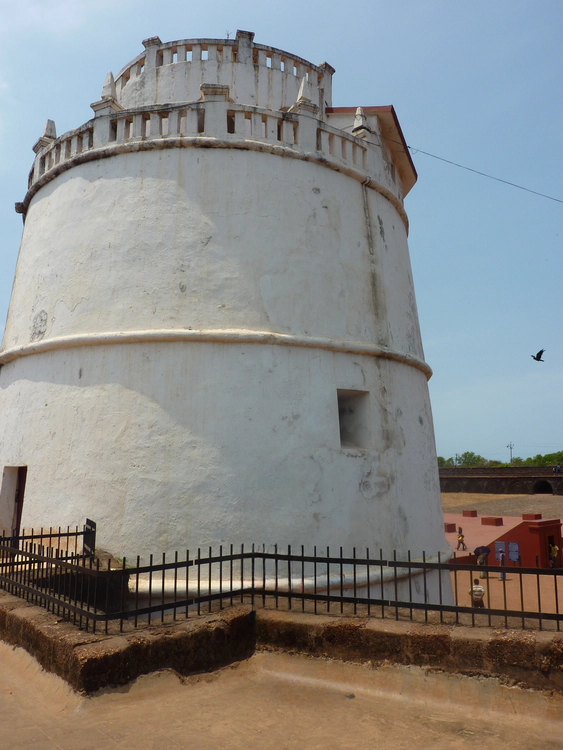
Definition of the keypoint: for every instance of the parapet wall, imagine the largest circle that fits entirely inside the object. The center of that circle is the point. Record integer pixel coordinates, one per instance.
(516, 480)
(257, 74)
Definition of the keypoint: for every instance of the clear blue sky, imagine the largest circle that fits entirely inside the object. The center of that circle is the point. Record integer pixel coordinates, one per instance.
(478, 83)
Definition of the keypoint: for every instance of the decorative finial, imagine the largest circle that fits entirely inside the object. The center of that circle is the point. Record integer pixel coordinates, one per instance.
(109, 91)
(49, 135)
(50, 130)
(304, 94)
(304, 101)
(360, 120)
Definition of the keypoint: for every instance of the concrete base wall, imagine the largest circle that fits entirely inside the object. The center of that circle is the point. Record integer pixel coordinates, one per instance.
(89, 662)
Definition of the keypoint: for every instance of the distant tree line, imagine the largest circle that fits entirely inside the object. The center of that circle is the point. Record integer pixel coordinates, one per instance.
(474, 459)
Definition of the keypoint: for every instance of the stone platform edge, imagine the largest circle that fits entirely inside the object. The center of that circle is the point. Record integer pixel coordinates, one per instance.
(90, 662)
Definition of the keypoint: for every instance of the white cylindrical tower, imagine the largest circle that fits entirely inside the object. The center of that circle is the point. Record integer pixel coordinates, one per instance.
(213, 335)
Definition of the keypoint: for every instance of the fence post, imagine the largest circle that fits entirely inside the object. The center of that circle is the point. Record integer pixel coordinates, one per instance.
(89, 538)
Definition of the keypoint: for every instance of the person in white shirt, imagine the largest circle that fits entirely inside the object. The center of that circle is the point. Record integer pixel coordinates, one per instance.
(477, 594)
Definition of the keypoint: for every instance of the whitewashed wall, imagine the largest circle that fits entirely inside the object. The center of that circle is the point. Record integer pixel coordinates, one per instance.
(182, 318)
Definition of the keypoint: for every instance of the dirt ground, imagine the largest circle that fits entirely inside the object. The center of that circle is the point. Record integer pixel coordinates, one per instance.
(276, 701)
(286, 702)
(550, 506)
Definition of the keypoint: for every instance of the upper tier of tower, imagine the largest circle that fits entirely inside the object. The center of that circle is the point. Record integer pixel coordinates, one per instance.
(231, 93)
(256, 74)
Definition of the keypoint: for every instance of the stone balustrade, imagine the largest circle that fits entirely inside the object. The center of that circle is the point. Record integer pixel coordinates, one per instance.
(220, 122)
(61, 150)
(221, 53)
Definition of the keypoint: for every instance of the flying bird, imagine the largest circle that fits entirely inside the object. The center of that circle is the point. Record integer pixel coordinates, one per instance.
(537, 356)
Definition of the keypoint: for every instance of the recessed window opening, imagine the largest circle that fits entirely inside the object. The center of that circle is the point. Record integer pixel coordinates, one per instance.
(230, 122)
(269, 61)
(113, 130)
(280, 130)
(145, 125)
(235, 54)
(264, 127)
(282, 64)
(308, 74)
(141, 68)
(295, 126)
(174, 54)
(129, 127)
(204, 53)
(319, 140)
(354, 418)
(79, 144)
(248, 124)
(188, 54)
(11, 498)
(200, 120)
(164, 124)
(159, 58)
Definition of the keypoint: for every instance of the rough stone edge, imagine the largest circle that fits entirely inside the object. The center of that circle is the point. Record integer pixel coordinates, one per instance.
(90, 662)
(531, 659)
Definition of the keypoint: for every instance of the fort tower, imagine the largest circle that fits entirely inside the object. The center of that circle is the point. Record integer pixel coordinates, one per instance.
(213, 334)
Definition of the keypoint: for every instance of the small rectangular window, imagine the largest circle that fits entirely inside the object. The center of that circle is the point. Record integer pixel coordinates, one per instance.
(201, 121)
(354, 418)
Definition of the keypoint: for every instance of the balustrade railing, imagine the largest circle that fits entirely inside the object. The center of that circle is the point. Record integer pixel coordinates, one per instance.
(79, 588)
(225, 120)
(221, 53)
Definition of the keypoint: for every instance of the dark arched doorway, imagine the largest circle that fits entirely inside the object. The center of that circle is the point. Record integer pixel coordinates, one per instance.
(543, 487)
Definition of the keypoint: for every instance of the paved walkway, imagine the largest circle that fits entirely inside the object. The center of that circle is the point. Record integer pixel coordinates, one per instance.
(275, 701)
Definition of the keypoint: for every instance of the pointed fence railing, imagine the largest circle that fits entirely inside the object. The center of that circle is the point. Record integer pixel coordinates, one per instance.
(77, 587)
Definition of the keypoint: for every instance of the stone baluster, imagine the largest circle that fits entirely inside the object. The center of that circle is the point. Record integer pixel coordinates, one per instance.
(152, 45)
(245, 40)
(215, 97)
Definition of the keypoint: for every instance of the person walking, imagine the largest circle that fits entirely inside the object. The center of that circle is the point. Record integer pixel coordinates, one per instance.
(460, 539)
(502, 563)
(482, 560)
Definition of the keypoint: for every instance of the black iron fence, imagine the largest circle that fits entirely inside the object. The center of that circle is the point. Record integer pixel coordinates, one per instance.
(69, 542)
(77, 587)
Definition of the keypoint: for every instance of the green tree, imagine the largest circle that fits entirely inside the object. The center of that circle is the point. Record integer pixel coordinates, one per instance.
(445, 461)
(471, 459)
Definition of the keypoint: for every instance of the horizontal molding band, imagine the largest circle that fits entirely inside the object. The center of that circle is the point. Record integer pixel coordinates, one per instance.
(217, 336)
(157, 144)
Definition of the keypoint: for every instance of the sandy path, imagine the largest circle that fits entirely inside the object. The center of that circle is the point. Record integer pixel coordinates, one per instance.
(275, 701)
(550, 506)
